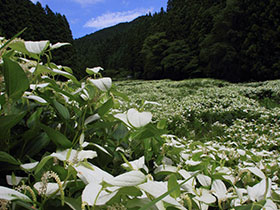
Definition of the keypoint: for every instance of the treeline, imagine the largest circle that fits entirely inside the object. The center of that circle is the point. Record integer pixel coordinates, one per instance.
(42, 24)
(225, 39)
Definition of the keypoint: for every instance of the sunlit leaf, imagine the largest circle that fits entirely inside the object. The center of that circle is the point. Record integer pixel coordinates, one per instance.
(16, 81)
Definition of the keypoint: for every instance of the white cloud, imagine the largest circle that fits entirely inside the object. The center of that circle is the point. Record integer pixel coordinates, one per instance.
(86, 2)
(113, 18)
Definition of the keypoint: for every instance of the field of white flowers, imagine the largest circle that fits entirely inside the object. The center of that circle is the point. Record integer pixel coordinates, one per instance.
(93, 145)
(229, 131)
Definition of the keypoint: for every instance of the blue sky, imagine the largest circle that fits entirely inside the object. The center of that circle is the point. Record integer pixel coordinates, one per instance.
(88, 16)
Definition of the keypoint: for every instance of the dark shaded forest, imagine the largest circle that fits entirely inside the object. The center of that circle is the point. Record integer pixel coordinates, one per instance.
(226, 39)
(42, 24)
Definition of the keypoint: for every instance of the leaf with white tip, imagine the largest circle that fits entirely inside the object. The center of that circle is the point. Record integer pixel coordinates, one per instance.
(10, 194)
(94, 70)
(92, 118)
(219, 189)
(36, 98)
(137, 164)
(256, 171)
(103, 84)
(14, 180)
(51, 188)
(90, 193)
(36, 47)
(138, 119)
(204, 180)
(29, 166)
(131, 178)
(205, 196)
(156, 189)
(58, 45)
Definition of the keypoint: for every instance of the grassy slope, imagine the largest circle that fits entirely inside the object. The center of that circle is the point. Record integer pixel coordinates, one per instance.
(206, 109)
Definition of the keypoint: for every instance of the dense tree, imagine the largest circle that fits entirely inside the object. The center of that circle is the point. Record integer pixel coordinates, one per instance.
(42, 24)
(226, 39)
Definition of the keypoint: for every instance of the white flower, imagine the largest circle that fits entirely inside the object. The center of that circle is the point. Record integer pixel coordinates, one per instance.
(135, 118)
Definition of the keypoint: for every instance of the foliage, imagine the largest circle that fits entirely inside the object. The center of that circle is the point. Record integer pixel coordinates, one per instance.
(63, 143)
(18, 14)
(224, 39)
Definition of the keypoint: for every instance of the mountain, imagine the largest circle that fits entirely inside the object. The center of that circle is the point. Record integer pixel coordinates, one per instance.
(225, 39)
(42, 24)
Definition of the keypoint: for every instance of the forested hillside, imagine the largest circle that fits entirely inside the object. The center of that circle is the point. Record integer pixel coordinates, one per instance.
(225, 39)
(42, 24)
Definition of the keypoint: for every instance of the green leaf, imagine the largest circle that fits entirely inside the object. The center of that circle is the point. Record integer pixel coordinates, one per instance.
(34, 118)
(37, 144)
(20, 47)
(73, 203)
(172, 182)
(9, 121)
(252, 206)
(105, 107)
(119, 94)
(62, 110)
(42, 163)
(2, 99)
(15, 36)
(58, 138)
(16, 81)
(5, 157)
(161, 124)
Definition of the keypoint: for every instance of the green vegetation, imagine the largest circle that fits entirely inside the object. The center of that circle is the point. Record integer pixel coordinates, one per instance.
(224, 39)
(63, 142)
(41, 23)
